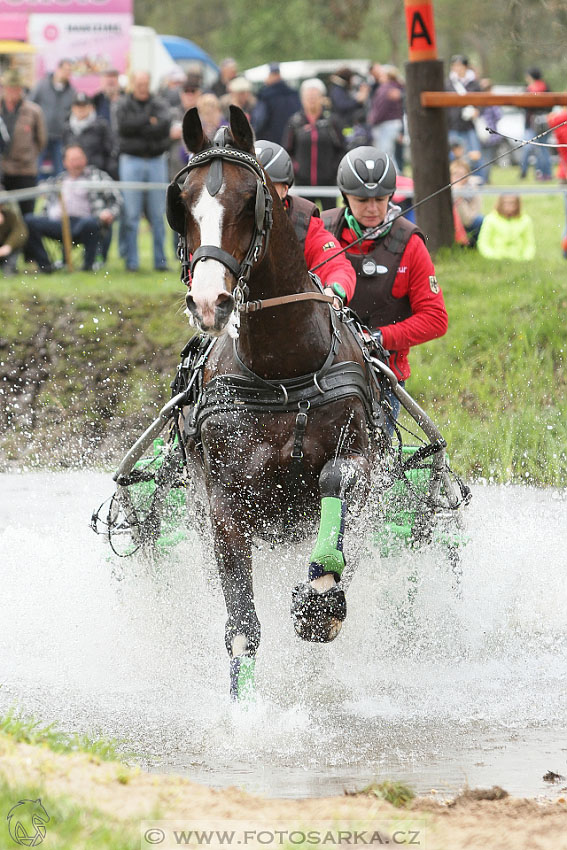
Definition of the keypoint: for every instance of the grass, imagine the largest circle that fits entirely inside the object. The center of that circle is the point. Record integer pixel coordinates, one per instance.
(495, 384)
(29, 731)
(398, 794)
(71, 826)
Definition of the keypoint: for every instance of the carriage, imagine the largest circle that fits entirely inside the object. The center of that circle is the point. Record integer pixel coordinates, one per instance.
(277, 421)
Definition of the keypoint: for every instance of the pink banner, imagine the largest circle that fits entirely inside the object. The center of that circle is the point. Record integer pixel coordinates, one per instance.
(92, 43)
(52, 7)
(13, 26)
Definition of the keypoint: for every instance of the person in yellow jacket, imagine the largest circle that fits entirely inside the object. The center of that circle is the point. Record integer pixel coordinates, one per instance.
(506, 232)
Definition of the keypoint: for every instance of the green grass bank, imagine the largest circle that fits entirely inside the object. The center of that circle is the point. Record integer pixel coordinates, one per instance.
(86, 359)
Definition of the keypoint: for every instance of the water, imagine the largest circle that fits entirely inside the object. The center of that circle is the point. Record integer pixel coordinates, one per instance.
(473, 689)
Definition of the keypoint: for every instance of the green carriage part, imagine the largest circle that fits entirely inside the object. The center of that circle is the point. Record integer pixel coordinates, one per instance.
(173, 514)
(406, 517)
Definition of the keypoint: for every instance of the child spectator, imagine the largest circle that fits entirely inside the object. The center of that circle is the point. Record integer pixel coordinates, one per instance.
(467, 207)
(506, 232)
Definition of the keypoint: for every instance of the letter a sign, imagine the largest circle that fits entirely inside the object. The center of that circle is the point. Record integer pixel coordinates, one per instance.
(421, 30)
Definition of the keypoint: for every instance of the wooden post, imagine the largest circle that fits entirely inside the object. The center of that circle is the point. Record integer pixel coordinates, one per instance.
(66, 234)
(427, 127)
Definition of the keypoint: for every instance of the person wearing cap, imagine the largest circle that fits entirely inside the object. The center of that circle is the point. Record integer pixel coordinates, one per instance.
(91, 132)
(319, 246)
(276, 103)
(26, 137)
(314, 140)
(54, 93)
(397, 294)
(189, 97)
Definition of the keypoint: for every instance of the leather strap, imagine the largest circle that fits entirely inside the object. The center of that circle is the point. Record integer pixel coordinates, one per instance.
(254, 306)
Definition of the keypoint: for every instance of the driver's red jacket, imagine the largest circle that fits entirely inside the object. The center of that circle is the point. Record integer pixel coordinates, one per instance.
(415, 278)
(320, 247)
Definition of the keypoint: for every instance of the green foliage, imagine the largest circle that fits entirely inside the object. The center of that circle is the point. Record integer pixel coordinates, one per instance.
(503, 45)
(29, 731)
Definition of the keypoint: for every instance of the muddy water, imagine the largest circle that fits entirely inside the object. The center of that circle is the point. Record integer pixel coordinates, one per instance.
(464, 689)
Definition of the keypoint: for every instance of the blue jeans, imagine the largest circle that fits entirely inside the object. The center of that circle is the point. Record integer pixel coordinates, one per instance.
(84, 231)
(136, 169)
(542, 157)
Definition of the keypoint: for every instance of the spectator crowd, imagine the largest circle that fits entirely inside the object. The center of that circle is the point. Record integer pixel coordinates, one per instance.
(80, 144)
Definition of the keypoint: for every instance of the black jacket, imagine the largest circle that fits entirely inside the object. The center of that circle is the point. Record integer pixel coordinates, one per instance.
(98, 143)
(138, 135)
(276, 103)
(301, 139)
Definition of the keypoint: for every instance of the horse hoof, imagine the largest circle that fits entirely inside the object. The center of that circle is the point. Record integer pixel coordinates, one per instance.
(317, 616)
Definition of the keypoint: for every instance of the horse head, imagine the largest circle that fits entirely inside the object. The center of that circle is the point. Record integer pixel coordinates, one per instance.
(223, 211)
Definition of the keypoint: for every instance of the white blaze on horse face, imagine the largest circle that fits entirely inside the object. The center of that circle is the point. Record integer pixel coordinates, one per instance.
(208, 277)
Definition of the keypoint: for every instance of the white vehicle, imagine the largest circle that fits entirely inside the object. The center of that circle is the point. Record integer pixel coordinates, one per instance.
(295, 72)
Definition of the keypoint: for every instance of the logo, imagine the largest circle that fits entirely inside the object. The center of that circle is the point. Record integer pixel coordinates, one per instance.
(433, 285)
(329, 246)
(370, 268)
(26, 823)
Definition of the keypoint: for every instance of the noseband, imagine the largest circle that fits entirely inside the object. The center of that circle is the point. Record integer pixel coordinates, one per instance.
(215, 156)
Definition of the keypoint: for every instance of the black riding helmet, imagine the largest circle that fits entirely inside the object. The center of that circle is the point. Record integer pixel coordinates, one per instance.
(275, 160)
(366, 173)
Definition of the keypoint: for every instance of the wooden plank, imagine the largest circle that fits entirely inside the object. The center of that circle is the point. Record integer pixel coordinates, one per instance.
(526, 100)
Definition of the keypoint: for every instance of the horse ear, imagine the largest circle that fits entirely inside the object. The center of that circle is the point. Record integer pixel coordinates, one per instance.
(241, 130)
(193, 136)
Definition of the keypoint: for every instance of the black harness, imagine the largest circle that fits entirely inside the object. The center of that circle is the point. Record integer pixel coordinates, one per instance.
(175, 211)
(249, 391)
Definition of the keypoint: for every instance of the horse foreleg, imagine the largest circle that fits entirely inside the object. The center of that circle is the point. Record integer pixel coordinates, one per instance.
(319, 605)
(242, 629)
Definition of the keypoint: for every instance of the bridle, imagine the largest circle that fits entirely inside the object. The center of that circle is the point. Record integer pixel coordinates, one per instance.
(263, 219)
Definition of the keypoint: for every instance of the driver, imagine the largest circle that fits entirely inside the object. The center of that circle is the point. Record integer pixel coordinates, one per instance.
(337, 275)
(397, 294)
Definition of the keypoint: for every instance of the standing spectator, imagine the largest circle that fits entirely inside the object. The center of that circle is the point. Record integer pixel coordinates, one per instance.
(506, 232)
(536, 122)
(190, 94)
(386, 112)
(487, 120)
(345, 105)
(240, 94)
(554, 121)
(25, 127)
(91, 211)
(172, 85)
(228, 71)
(108, 95)
(460, 119)
(13, 236)
(314, 140)
(54, 93)
(143, 122)
(211, 114)
(467, 204)
(93, 134)
(277, 102)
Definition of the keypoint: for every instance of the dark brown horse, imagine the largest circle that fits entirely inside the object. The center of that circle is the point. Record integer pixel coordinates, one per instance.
(284, 433)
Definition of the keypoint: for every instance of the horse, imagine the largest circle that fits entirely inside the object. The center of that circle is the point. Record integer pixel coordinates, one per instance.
(285, 431)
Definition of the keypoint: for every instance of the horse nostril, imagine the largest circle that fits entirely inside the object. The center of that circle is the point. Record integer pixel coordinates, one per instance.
(190, 303)
(224, 305)
(222, 297)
